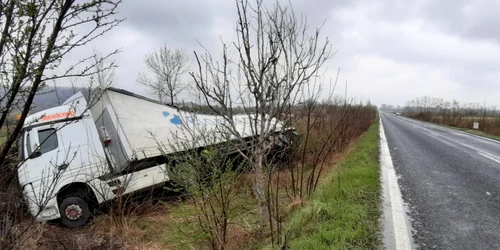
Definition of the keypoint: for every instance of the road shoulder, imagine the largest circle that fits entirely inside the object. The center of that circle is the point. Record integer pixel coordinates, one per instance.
(397, 229)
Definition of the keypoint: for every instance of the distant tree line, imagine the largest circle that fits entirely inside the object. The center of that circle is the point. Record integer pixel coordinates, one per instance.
(391, 108)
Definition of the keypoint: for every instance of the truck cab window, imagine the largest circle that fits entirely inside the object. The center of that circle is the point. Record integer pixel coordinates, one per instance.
(20, 146)
(48, 140)
(28, 144)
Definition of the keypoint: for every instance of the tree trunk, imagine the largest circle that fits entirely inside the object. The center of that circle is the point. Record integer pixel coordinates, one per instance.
(21, 73)
(171, 97)
(260, 188)
(38, 79)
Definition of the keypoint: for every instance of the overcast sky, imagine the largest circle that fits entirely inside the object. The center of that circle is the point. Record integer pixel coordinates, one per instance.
(389, 51)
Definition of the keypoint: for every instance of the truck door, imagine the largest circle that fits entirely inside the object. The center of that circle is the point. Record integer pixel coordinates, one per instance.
(64, 148)
(46, 158)
(42, 157)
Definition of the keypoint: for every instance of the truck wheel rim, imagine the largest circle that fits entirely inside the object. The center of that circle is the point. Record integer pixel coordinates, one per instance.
(73, 212)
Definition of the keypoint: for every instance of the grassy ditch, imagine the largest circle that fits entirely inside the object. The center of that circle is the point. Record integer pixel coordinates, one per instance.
(344, 212)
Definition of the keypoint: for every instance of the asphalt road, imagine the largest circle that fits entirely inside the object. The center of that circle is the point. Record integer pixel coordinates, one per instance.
(450, 181)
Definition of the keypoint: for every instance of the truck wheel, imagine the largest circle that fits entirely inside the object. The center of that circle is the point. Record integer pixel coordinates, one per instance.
(74, 211)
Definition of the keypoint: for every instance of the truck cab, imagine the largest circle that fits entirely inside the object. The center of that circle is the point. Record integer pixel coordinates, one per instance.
(58, 147)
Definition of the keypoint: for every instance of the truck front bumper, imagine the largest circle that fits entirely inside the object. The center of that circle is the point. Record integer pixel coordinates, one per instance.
(43, 209)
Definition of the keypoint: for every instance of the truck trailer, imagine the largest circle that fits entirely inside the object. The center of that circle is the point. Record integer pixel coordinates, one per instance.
(86, 152)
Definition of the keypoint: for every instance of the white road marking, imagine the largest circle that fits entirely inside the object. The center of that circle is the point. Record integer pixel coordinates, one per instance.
(413, 123)
(488, 193)
(479, 137)
(401, 232)
(489, 156)
(444, 140)
(480, 152)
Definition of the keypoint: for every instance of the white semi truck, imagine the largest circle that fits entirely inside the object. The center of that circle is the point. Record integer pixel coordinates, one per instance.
(78, 154)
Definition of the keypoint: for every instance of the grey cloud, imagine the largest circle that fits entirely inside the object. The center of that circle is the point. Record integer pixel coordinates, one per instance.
(462, 47)
(318, 11)
(470, 19)
(181, 23)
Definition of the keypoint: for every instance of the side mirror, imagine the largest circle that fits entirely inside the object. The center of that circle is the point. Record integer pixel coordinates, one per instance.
(35, 154)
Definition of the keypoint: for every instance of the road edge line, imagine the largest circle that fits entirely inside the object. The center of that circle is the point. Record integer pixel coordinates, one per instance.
(451, 128)
(401, 232)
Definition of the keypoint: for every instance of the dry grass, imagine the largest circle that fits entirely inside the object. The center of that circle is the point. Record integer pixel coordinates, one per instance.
(102, 233)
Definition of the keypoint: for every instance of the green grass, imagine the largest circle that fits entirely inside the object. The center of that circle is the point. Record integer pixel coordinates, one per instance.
(344, 212)
(183, 229)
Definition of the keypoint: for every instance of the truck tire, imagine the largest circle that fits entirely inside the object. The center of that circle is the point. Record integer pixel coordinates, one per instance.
(74, 211)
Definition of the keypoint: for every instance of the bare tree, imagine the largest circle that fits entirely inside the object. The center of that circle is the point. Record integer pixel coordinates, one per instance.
(36, 37)
(167, 65)
(276, 57)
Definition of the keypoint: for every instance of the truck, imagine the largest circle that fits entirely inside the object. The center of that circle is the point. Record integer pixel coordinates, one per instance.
(86, 152)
